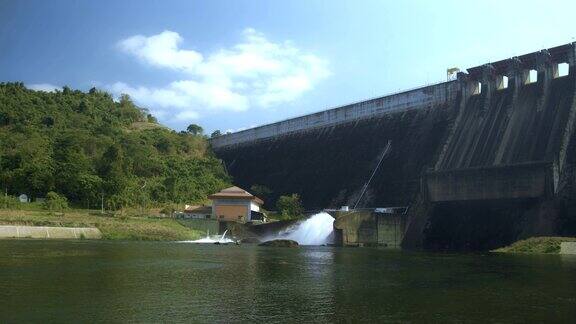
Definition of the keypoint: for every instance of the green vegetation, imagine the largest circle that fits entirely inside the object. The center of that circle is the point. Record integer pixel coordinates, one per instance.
(542, 244)
(86, 146)
(9, 202)
(289, 207)
(55, 202)
(128, 226)
(216, 133)
(194, 129)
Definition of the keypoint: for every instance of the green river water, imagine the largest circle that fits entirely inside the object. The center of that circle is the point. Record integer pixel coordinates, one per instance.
(82, 281)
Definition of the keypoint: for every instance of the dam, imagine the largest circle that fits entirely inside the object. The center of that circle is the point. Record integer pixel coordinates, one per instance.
(476, 162)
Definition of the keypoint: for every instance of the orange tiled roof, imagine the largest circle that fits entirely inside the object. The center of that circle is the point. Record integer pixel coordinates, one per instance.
(235, 193)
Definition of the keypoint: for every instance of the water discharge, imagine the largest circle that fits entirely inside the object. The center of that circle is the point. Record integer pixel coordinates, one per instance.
(316, 230)
(212, 239)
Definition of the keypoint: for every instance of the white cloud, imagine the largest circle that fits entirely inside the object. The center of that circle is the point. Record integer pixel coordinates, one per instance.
(161, 50)
(43, 87)
(253, 73)
(186, 116)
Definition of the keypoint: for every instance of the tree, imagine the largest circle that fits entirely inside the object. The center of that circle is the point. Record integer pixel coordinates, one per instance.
(48, 121)
(4, 119)
(194, 129)
(84, 145)
(55, 201)
(129, 111)
(216, 133)
(290, 206)
(151, 119)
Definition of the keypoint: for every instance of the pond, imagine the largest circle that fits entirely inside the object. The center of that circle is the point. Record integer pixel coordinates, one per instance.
(104, 281)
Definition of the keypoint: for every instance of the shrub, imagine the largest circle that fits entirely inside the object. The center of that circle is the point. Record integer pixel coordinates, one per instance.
(290, 207)
(9, 202)
(168, 210)
(55, 201)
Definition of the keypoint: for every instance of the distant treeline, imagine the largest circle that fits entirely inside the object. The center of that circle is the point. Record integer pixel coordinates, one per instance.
(85, 145)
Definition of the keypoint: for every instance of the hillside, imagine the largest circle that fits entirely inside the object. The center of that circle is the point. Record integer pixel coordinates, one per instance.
(85, 145)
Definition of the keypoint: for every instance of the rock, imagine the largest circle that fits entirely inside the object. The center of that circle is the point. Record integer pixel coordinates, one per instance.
(280, 243)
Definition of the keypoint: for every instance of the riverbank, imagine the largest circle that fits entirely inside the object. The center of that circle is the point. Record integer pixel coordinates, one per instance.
(113, 227)
(544, 244)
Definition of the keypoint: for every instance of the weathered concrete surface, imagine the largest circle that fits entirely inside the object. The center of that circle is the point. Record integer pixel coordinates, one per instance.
(366, 228)
(527, 180)
(205, 225)
(489, 224)
(419, 98)
(523, 123)
(44, 232)
(568, 248)
(328, 167)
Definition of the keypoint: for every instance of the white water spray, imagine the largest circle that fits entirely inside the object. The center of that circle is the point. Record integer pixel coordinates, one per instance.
(316, 230)
(212, 239)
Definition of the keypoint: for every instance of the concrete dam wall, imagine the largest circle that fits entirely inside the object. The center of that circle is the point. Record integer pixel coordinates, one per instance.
(329, 165)
(495, 147)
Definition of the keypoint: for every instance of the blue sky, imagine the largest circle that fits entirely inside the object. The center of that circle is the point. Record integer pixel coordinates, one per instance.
(231, 65)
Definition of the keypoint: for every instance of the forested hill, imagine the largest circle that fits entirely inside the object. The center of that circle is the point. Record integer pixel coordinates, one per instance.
(84, 144)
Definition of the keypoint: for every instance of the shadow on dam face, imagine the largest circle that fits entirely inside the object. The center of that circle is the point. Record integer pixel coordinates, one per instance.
(487, 225)
(328, 167)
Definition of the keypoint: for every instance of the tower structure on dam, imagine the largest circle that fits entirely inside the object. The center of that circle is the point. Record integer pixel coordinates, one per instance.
(479, 161)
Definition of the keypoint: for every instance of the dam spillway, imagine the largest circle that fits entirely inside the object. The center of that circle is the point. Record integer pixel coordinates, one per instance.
(480, 162)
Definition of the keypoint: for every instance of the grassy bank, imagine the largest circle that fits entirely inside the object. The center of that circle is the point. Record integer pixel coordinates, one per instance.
(113, 227)
(544, 244)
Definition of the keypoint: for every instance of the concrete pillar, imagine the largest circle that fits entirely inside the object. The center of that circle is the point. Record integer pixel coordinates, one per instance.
(515, 73)
(465, 86)
(488, 79)
(545, 66)
(546, 69)
(572, 57)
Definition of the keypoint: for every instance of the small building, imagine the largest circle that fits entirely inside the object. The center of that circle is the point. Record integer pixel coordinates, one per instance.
(236, 204)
